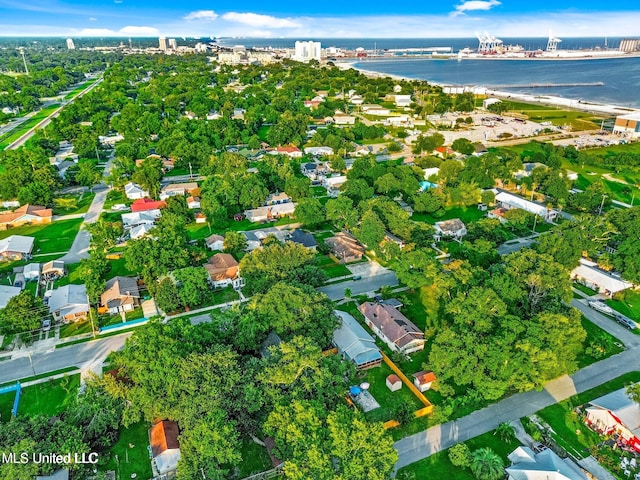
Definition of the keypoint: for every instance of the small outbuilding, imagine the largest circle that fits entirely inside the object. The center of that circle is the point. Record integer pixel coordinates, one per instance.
(423, 380)
(393, 382)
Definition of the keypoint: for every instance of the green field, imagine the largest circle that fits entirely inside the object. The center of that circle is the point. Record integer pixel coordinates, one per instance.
(23, 128)
(48, 398)
(79, 88)
(49, 238)
(627, 302)
(466, 214)
(130, 454)
(81, 205)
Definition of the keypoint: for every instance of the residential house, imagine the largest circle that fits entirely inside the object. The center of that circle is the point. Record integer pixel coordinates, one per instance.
(402, 101)
(588, 274)
(498, 213)
(404, 205)
(7, 292)
(53, 269)
(341, 118)
(16, 247)
(200, 217)
(509, 200)
(453, 228)
(303, 238)
(110, 140)
(480, 149)
(25, 215)
(238, 114)
(333, 184)
(356, 100)
(354, 343)
(431, 172)
(165, 447)
(527, 168)
(146, 204)
(544, 465)
(618, 415)
(399, 121)
(318, 151)
(423, 380)
(273, 212)
(193, 203)
(178, 189)
(392, 327)
(277, 199)
(291, 151)
(362, 150)
(69, 303)
(223, 270)
(345, 247)
(121, 295)
(392, 302)
(255, 238)
(133, 191)
(374, 109)
(215, 242)
(31, 271)
(133, 219)
(140, 231)
(391, 238)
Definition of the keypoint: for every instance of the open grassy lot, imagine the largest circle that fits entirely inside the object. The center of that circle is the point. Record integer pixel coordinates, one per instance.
(389, 401)
(48, 398)
(49, 238)
(23, 128)
(79, 88)
(598, 345)
(130, 454)
(570, 432)
(583, 289)
(627, 302)
(255, 459)
(439, 466)
(542, 113)
(115, 197)
(67, 206)
(75, 328)
(466, 214)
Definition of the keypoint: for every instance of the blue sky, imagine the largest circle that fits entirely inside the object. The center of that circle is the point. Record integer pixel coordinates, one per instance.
(352, 18)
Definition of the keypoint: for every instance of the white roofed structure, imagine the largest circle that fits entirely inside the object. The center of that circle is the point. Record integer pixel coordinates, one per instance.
(354, 343)
(593, 277)
(616, 413)
(544, 465)
(7, 293)
(509, 200)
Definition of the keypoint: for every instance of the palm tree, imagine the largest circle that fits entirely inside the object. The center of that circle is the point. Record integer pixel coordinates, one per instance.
(505, 431)
(487, 464)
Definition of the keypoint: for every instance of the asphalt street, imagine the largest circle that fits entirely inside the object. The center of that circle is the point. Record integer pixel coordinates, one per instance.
(357, 287)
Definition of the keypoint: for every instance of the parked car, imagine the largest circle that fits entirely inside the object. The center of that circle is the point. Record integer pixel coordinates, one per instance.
(625, 322)
(46, 325)
(601, 307)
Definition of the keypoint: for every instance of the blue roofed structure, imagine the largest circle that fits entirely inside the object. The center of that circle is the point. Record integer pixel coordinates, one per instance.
(354, 343)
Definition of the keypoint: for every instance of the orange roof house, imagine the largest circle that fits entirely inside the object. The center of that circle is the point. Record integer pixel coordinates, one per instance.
(222, 269)
(26, 214)
(165, 448)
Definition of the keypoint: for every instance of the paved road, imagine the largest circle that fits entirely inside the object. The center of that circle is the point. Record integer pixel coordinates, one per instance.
(357, 287)
(440, 437)
(514, 245)
(80, 355)
(80, 247)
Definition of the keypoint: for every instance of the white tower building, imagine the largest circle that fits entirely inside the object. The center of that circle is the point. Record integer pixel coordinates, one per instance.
(70, 44)
(307, 51)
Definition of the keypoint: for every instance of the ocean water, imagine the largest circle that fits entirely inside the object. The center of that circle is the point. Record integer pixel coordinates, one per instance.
(621, 77)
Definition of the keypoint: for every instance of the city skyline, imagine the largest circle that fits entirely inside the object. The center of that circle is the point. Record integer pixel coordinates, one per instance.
(358, 19)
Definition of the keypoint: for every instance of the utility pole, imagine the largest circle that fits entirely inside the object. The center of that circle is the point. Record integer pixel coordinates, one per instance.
(190, 172)
(604, 195)
(535, 221)
(26, 69)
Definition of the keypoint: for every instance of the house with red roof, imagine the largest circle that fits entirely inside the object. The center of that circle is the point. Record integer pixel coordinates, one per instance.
(291, 151)
(145, 204)
(165, 448)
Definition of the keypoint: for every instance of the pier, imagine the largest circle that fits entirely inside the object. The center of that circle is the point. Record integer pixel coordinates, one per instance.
(550, 85)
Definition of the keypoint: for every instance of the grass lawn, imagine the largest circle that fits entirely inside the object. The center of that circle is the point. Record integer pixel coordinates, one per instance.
(599, 344)
(119, 268)
(466, 214)
(255, 459)
(130, 454)
(627, 303)
(388, 400)
(76, 328)
(263, 131)
(79, 88)
(331, 268)
(565, 422)
(439, 466)
(49, 238)
(584, 289)
(114, 197)
(21, 129)
(48, 398)
(82, 204)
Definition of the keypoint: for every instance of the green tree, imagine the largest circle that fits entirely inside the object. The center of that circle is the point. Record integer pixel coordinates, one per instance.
(148, 176)
(341, 212)
(167, 296)
(87, 174)
(104, 235)
(23, 312)
(234, 243)
(310, 212)
(460, 455)
(194, 285)
(463, 146)
(487, 464)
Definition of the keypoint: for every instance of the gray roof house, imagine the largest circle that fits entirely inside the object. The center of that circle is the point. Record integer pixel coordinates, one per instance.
(7, 293)
(121, 294)
(69, 303)
(392, 327)
(16, 247)
(303, 238)
(528, 465)
(354, 343)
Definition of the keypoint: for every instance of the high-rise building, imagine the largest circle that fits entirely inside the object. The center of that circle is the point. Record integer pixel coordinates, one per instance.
(307, 51)
(173, 44)
(70, 44)
(162, 41)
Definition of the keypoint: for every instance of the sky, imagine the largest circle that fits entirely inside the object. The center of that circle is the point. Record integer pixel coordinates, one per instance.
(316, 19)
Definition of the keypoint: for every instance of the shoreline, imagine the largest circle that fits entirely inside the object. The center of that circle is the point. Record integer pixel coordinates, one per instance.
(552, 100)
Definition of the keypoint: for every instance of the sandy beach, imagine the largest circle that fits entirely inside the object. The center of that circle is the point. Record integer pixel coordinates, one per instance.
(552, 100)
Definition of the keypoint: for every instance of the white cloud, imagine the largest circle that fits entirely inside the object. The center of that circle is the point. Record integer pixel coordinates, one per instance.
(257, 20)
(471, 5)
(92, 19)
(136, 30)
(206, 15)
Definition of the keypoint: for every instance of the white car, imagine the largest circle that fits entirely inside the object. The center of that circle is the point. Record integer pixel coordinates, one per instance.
(601, 307)
(120, 207)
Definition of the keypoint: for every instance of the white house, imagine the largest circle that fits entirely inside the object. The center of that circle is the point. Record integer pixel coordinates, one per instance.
(7, 293)
(616, 413)
(215, 242)
(165, 447)
(545, 465)
(341, 118)
(173, 189)
(402, 101)
(354, 343)
(69, 303)
(509, 200)
(133, 191)
(593, 277)
(318, 151)
(133, 219)
(454, 228)
(423, 380)
(272, 212)
(140, 230)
